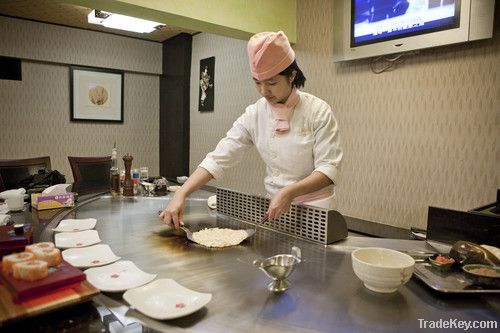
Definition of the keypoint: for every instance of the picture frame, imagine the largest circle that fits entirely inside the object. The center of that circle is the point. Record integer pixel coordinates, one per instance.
(206, 85)
(96, 94)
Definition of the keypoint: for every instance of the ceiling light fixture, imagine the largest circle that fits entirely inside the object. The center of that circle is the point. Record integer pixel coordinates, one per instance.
(122, 22)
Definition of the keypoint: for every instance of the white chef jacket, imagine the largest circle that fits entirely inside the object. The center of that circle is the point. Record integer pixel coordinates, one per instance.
(311, 144)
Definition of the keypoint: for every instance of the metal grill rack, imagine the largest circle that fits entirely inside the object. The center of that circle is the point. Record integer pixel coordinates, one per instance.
(313, 223)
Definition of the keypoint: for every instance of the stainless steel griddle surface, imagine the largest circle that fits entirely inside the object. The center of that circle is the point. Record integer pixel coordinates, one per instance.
(325, 295)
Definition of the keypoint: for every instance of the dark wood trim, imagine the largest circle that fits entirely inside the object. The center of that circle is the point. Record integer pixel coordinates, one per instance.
(174, 106)
(45, 160)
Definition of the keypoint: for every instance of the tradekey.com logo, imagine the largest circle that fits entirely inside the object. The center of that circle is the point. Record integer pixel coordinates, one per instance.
(458, 324)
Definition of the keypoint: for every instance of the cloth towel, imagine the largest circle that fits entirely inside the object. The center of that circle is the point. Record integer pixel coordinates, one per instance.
(282, 112)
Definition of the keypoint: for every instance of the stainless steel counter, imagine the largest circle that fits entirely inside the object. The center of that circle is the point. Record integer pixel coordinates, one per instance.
(325, 295)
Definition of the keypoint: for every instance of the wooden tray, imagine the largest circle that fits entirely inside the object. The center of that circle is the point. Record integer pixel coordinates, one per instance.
(11, 311)
(61, 277)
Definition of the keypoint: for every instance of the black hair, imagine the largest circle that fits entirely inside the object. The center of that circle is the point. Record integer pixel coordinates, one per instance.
(300, 79)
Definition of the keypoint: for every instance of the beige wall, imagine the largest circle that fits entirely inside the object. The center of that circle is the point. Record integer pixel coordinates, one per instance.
(35, 112)
(427, 133)
(234, 90)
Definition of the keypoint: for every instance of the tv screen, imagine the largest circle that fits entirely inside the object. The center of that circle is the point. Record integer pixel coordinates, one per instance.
(374, 21)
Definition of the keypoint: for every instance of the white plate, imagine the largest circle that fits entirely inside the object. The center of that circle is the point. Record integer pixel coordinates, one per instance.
(75, 225)
(65, 240)
(92, 256)
(120, 276)
(166, 299)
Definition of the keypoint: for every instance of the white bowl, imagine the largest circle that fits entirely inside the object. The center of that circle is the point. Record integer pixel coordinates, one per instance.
(382, 270)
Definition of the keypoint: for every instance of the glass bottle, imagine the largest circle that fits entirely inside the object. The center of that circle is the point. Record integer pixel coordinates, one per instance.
(114, 174)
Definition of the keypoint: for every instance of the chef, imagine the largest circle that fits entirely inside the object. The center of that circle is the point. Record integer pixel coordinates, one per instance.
(295, 133)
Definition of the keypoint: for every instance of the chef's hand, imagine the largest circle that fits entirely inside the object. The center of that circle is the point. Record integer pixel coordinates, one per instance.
(173, 214)
(279, 205)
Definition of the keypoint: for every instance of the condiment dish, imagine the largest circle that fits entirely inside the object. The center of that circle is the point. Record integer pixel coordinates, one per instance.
(483, 275)
(442, 263)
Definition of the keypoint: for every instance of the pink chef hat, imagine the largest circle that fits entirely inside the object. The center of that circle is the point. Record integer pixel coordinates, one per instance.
(269, 53)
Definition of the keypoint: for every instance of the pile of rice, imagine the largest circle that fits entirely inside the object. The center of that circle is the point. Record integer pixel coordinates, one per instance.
(215, 237)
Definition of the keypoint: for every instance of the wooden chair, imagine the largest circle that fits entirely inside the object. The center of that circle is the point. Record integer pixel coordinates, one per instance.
(14, 170)
(90, 174)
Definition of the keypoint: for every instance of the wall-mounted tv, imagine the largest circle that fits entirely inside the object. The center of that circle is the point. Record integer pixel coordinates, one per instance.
(368, 28)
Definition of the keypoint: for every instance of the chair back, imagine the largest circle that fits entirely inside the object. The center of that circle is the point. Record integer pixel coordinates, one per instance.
(12, 171)
(90, 174)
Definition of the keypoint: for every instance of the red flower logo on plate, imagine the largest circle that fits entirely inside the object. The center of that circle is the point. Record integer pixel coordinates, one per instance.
(114, 276)
(180, 305)
(95, 261)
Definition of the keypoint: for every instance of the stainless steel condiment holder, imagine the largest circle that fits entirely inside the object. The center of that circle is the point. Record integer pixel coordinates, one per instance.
(278, 268)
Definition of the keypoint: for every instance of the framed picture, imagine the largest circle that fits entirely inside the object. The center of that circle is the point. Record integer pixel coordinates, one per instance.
(206, 96)
(96, 94)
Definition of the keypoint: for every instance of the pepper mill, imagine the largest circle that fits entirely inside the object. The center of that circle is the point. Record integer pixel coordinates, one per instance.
(128, 186)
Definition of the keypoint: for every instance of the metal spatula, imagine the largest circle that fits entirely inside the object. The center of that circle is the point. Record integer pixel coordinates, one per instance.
(188, 232)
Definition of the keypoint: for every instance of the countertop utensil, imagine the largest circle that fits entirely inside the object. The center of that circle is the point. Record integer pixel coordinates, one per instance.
(278, 268)
(188, 232)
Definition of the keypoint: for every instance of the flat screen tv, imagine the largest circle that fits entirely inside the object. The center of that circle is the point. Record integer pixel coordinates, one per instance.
(368, 28)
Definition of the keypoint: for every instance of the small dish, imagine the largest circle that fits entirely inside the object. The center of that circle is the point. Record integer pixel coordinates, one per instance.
(69, 225)
(65, 240)
(441, 262)
(182, 179)
(117, 277)
(483, 275)
(212, 202)
(92, 256)
(173, 188)
(166, 299)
